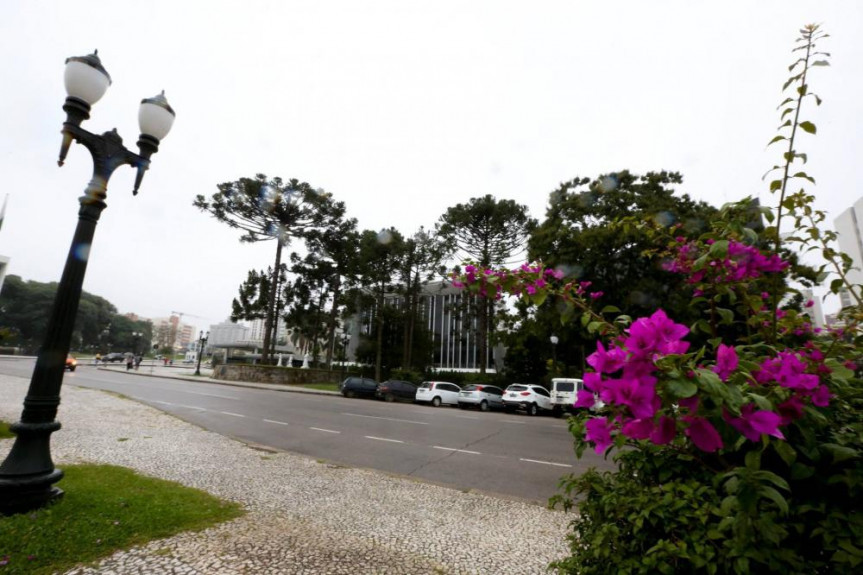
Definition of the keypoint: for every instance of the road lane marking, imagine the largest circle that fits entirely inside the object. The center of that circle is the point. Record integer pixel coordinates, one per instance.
(383, 439)
(544, 462)
(190, 407)
(459, 450)
(209, 394)
(327, 430)
(465, 417)
(387, 418)
(234, 414)
(516, 422)
(274, 421)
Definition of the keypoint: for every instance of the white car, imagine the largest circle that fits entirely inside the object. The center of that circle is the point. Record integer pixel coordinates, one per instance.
(563, 394)
(484, 397)
(438, 392)
(531, 398)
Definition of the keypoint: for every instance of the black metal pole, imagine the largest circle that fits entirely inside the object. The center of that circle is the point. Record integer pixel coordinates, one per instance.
(200, 352)
(28, 475)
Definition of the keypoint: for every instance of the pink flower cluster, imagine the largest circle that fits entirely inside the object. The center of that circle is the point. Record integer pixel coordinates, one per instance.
(526, 279)
(742, 262)
(625, 378)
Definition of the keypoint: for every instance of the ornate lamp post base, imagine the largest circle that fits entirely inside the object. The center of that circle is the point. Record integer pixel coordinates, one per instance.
(27, 482)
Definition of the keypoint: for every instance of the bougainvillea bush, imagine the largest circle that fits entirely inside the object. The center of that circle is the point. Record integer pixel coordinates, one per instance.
(738, 455)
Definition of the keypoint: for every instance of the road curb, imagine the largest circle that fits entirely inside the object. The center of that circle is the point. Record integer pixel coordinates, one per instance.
(206, 379)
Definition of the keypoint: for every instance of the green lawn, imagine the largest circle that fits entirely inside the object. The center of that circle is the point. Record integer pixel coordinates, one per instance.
(323, 386)
(4, 430)
(105, 509)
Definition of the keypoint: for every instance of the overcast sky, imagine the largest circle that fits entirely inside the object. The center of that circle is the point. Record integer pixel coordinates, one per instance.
(399, 108)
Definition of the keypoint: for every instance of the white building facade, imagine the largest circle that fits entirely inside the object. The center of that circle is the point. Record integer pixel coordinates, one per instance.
(848, 227)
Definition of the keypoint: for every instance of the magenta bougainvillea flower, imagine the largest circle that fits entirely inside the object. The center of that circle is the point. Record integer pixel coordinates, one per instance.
(726, 361)
(598, 432)
(703, 434)
(753, 423)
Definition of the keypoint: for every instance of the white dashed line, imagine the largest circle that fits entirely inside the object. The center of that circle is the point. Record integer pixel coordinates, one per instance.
(327, 430)
(210, 394)
(234, 414)
(387, 418)
(458, 450)
(274, 421)
(383, 439)
(191, 407)
(544, 462)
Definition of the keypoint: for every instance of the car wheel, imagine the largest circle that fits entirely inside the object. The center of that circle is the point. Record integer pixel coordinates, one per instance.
(389, 398)
(531, 409)
(483, 406)
(436, 402)
(72, 368)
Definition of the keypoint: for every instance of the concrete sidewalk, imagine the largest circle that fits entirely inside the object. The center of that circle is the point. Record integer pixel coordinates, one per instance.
(304, 516)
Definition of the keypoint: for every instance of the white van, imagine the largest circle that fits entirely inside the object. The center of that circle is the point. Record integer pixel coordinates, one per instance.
(564, 392)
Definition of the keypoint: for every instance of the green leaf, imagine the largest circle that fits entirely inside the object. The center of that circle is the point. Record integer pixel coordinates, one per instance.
(840, 452)
(719, 249)
(775, 185)
(610, 309)
(539, 298)
(820, 63)
(785, 451)
(775, 496)
(776, 139)
(682, 388)
(753, 460)
(805, 176)
(726, 315)
(807, 126)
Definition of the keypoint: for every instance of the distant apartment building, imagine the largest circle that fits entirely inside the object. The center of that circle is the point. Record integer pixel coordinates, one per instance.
(848, 227)
(171, 332)
(815, 312)
(228, 333)
(256, 331)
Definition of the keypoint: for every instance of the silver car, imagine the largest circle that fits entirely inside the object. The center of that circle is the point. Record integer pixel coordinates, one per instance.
(484, 397)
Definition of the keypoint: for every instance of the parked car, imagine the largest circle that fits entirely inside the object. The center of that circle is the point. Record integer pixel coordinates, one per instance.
(531, 398)
(71, 363)
(394, 389)
(112, 357)
(358, 387)
(484, 397)
(564, 392)
(438, 392)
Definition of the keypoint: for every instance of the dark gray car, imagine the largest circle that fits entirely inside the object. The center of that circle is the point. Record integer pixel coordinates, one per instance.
(358, 387)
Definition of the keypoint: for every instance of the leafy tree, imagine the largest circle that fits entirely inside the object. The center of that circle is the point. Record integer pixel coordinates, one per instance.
(25, 306)
(423, 260)
(488, 232)
(271, 209)
(332, 262)
(380, 256)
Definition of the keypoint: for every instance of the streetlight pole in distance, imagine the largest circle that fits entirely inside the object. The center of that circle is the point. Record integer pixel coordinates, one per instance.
(28, 475)
(553, 339)
(202, 341)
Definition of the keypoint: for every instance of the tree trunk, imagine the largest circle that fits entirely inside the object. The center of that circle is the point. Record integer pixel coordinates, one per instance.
(337, 285)
(380, 334)
(482, 334)
(271, 304)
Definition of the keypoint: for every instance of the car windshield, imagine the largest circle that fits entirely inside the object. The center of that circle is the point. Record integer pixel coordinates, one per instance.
(516, 388)
(425, 385)
(564, 386)
(472, 388)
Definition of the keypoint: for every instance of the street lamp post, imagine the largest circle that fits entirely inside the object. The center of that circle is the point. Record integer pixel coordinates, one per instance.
(346, 339)
(28, 475)
(137, 335)
(202, 341)
(553, 339)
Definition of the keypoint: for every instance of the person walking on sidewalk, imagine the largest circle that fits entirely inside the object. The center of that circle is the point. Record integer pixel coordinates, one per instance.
(130, 359)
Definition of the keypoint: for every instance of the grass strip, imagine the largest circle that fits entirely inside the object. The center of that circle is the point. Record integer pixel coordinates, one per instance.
(105, 509)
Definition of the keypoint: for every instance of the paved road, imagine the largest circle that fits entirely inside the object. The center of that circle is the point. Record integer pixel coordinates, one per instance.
(508, 454)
